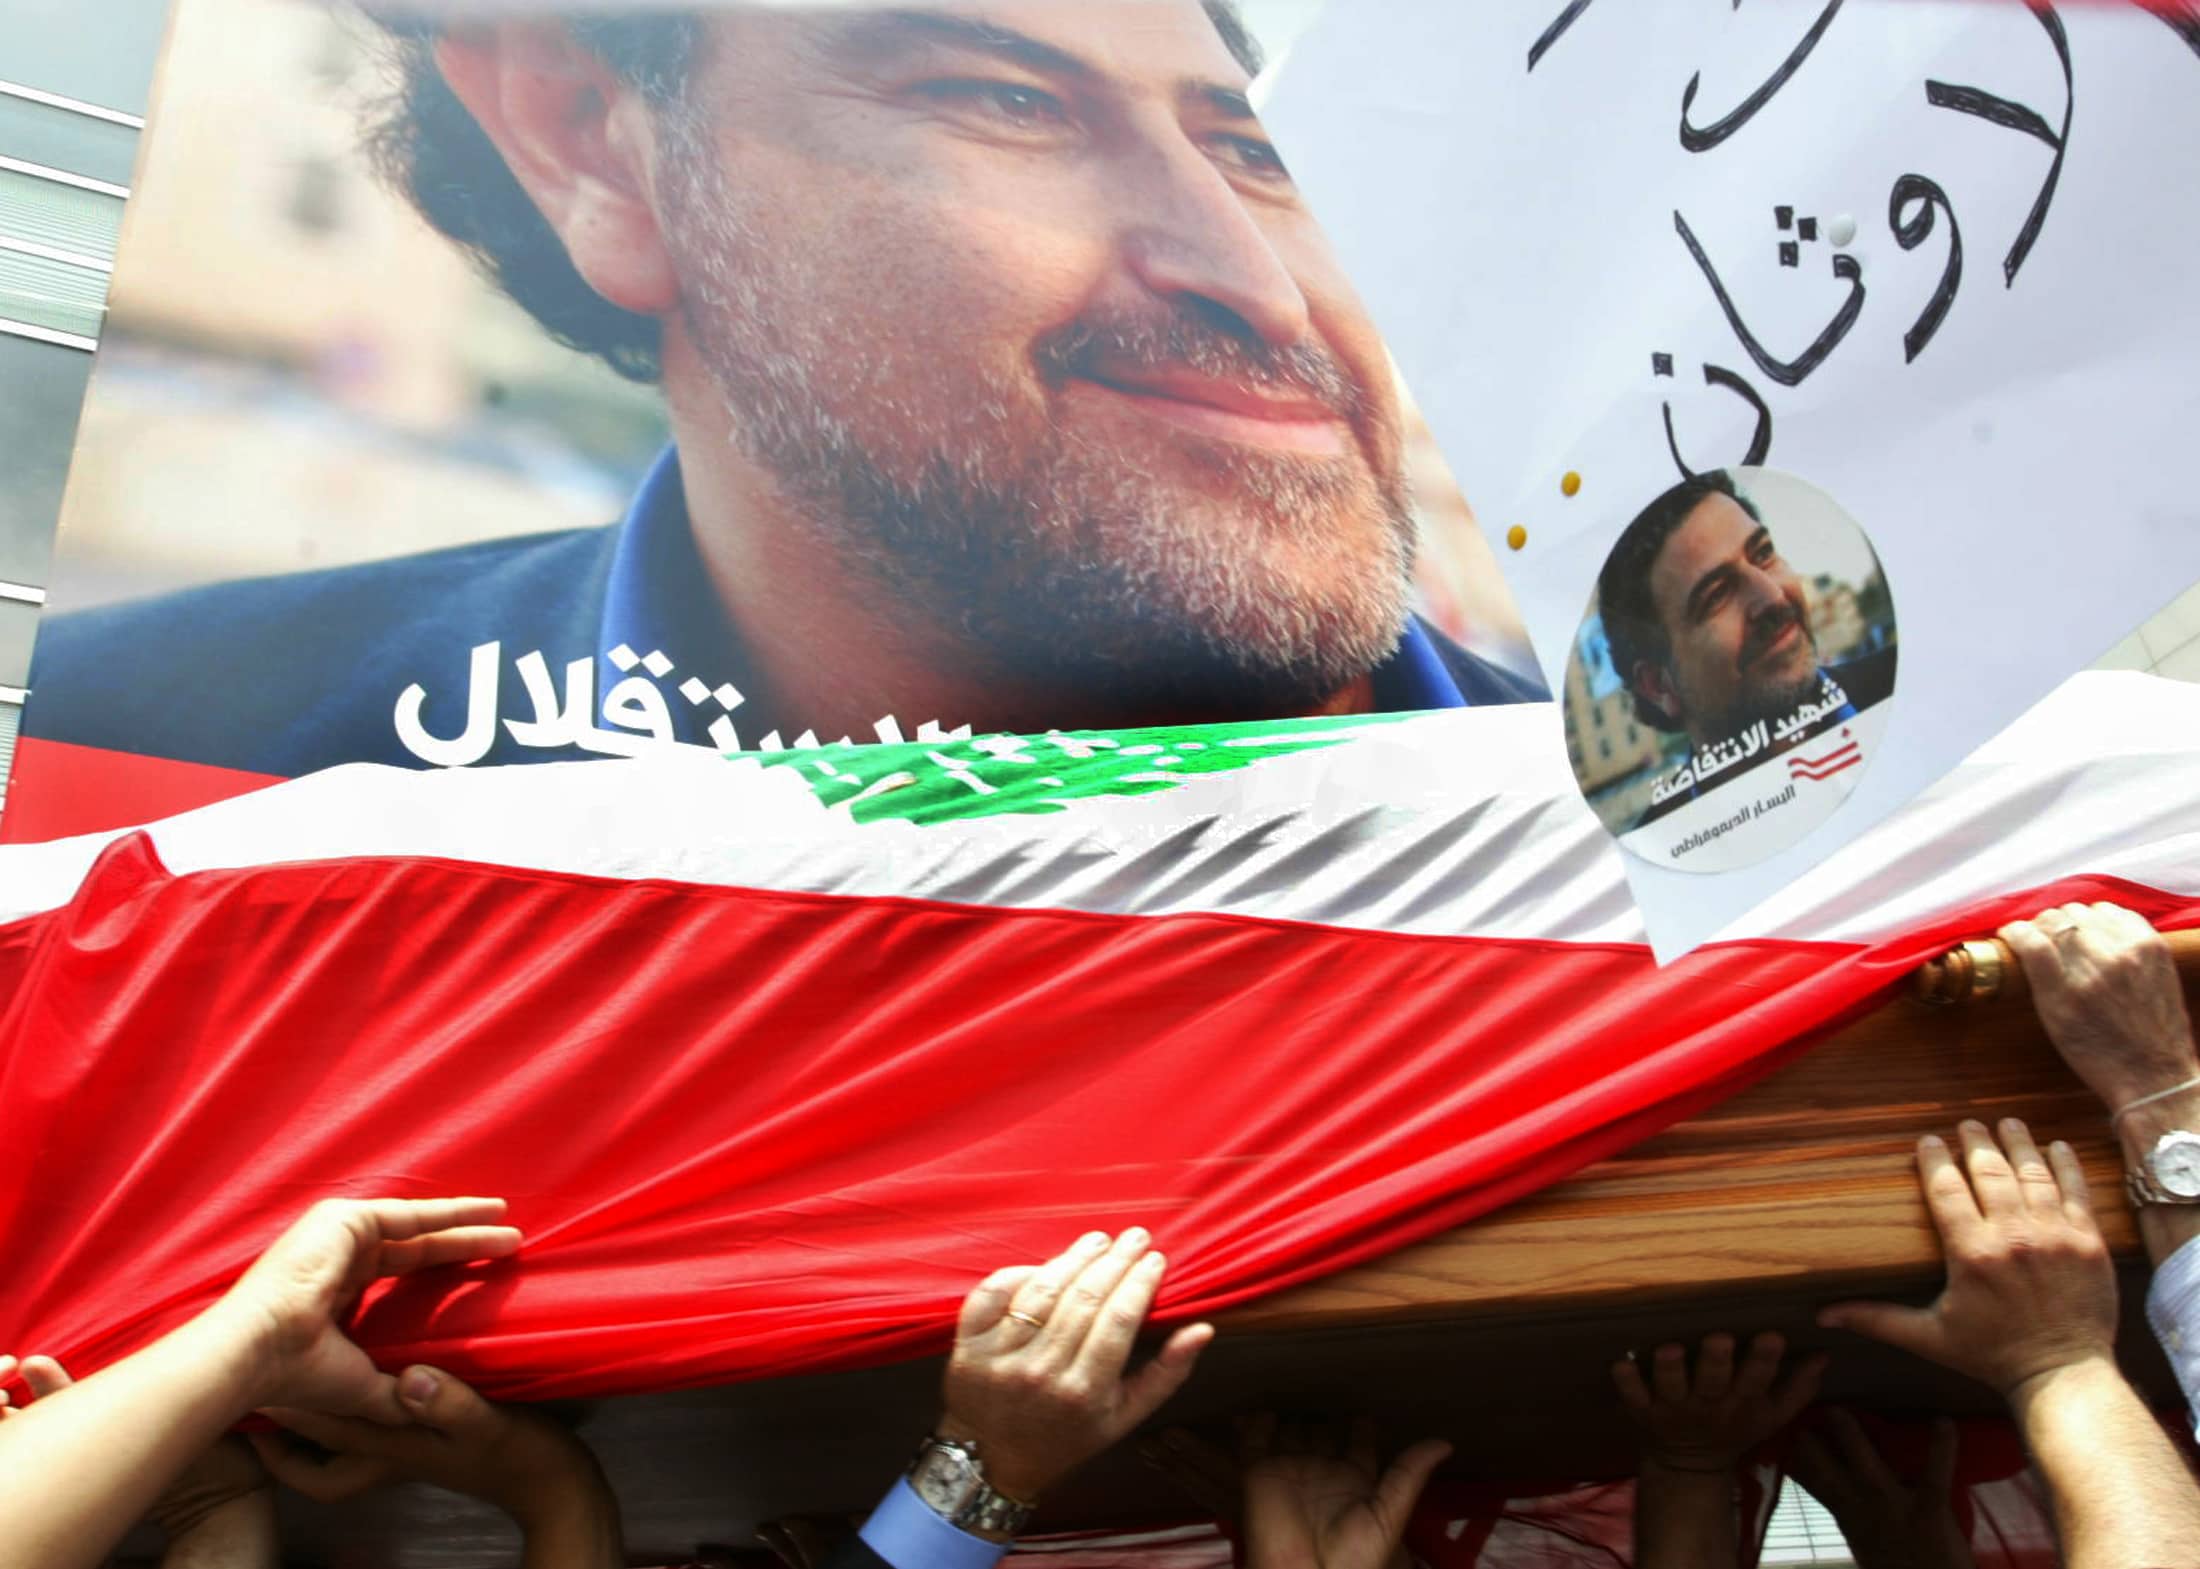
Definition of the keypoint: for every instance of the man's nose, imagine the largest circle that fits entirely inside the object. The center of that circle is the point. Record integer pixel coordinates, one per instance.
(1191, 240)
(1764, 595)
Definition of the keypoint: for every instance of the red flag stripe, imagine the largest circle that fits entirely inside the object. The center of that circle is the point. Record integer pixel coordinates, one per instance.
(62, 789)
(756, 1132)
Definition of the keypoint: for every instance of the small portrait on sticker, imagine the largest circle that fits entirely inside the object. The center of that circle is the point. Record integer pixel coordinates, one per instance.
(1731, 679)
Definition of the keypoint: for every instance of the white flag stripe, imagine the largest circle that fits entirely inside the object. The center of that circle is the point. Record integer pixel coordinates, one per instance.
(1460, 824)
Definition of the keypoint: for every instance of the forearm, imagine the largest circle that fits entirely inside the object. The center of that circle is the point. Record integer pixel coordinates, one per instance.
(575, 1527)
(2120, 1492)
(238, 1535)
(83, 1464)
(1684, 1519)
(2171, 1232)
(2164, 1228)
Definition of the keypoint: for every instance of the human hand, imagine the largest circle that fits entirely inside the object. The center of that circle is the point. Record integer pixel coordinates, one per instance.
(1709, 1421)
(1312, 1502)
(1040, 1399)
(288, 1309)
(2108, 994)
(1258, 1478)
(516, 1459)
(42, 1376)
(1887, 1523)
(2030, 1286)
(220, 1476)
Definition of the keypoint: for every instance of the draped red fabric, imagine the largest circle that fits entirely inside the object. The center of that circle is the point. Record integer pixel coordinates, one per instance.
(752, 1133)
(57, 788)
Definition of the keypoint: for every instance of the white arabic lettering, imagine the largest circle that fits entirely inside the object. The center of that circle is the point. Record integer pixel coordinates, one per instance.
(638, 708)
(1681, 780)
(636, 717)
(472, 744)
(553, 725)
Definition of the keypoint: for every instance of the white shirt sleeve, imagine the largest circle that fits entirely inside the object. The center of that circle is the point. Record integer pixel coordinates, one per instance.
(2173, 1308)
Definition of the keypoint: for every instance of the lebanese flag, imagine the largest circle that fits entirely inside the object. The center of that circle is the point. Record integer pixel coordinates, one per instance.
(776, 1056)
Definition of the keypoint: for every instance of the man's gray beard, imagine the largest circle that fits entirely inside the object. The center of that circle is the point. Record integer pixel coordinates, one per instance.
(1049, 559)
(1770, 705)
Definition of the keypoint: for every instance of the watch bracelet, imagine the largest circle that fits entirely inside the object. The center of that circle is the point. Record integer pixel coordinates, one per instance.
(2141, 1187)
(990, 1509)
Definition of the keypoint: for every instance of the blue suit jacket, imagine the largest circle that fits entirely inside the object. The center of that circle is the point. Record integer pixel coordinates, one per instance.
(285, 675)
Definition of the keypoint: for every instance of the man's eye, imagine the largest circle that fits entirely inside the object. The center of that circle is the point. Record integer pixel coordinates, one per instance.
(1254, 157)
(1011, 102)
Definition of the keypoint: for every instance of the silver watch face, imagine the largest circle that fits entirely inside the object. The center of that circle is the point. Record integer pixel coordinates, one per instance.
(946, 1477)
(2174, 1163)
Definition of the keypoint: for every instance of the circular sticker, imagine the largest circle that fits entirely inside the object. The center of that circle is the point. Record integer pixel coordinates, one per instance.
(1730, 682)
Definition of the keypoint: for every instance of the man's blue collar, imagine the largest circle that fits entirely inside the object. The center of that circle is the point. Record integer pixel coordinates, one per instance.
(659, 600)
(1414, 676)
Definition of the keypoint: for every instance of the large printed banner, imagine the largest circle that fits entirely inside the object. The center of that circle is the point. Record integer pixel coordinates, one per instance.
(1818, 371)
(750, 377)
(1754, 329)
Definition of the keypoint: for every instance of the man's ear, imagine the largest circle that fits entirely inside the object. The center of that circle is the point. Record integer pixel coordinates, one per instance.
(1652, 684)
(580, 142)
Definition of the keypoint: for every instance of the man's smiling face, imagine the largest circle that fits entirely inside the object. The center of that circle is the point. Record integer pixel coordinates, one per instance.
(1018, 304)
(1736, 620)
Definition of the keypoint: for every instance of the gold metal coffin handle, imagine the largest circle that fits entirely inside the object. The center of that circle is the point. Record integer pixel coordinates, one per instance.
(1975, 972)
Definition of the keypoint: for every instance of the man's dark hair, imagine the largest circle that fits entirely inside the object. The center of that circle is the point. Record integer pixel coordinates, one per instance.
(1632, 629)
(425, 143)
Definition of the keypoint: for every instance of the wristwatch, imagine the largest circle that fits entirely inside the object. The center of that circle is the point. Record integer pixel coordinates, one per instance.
(2169, 1173)
(948, 1476)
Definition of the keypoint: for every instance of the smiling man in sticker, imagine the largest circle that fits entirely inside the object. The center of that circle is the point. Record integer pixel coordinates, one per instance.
(1710, 630)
